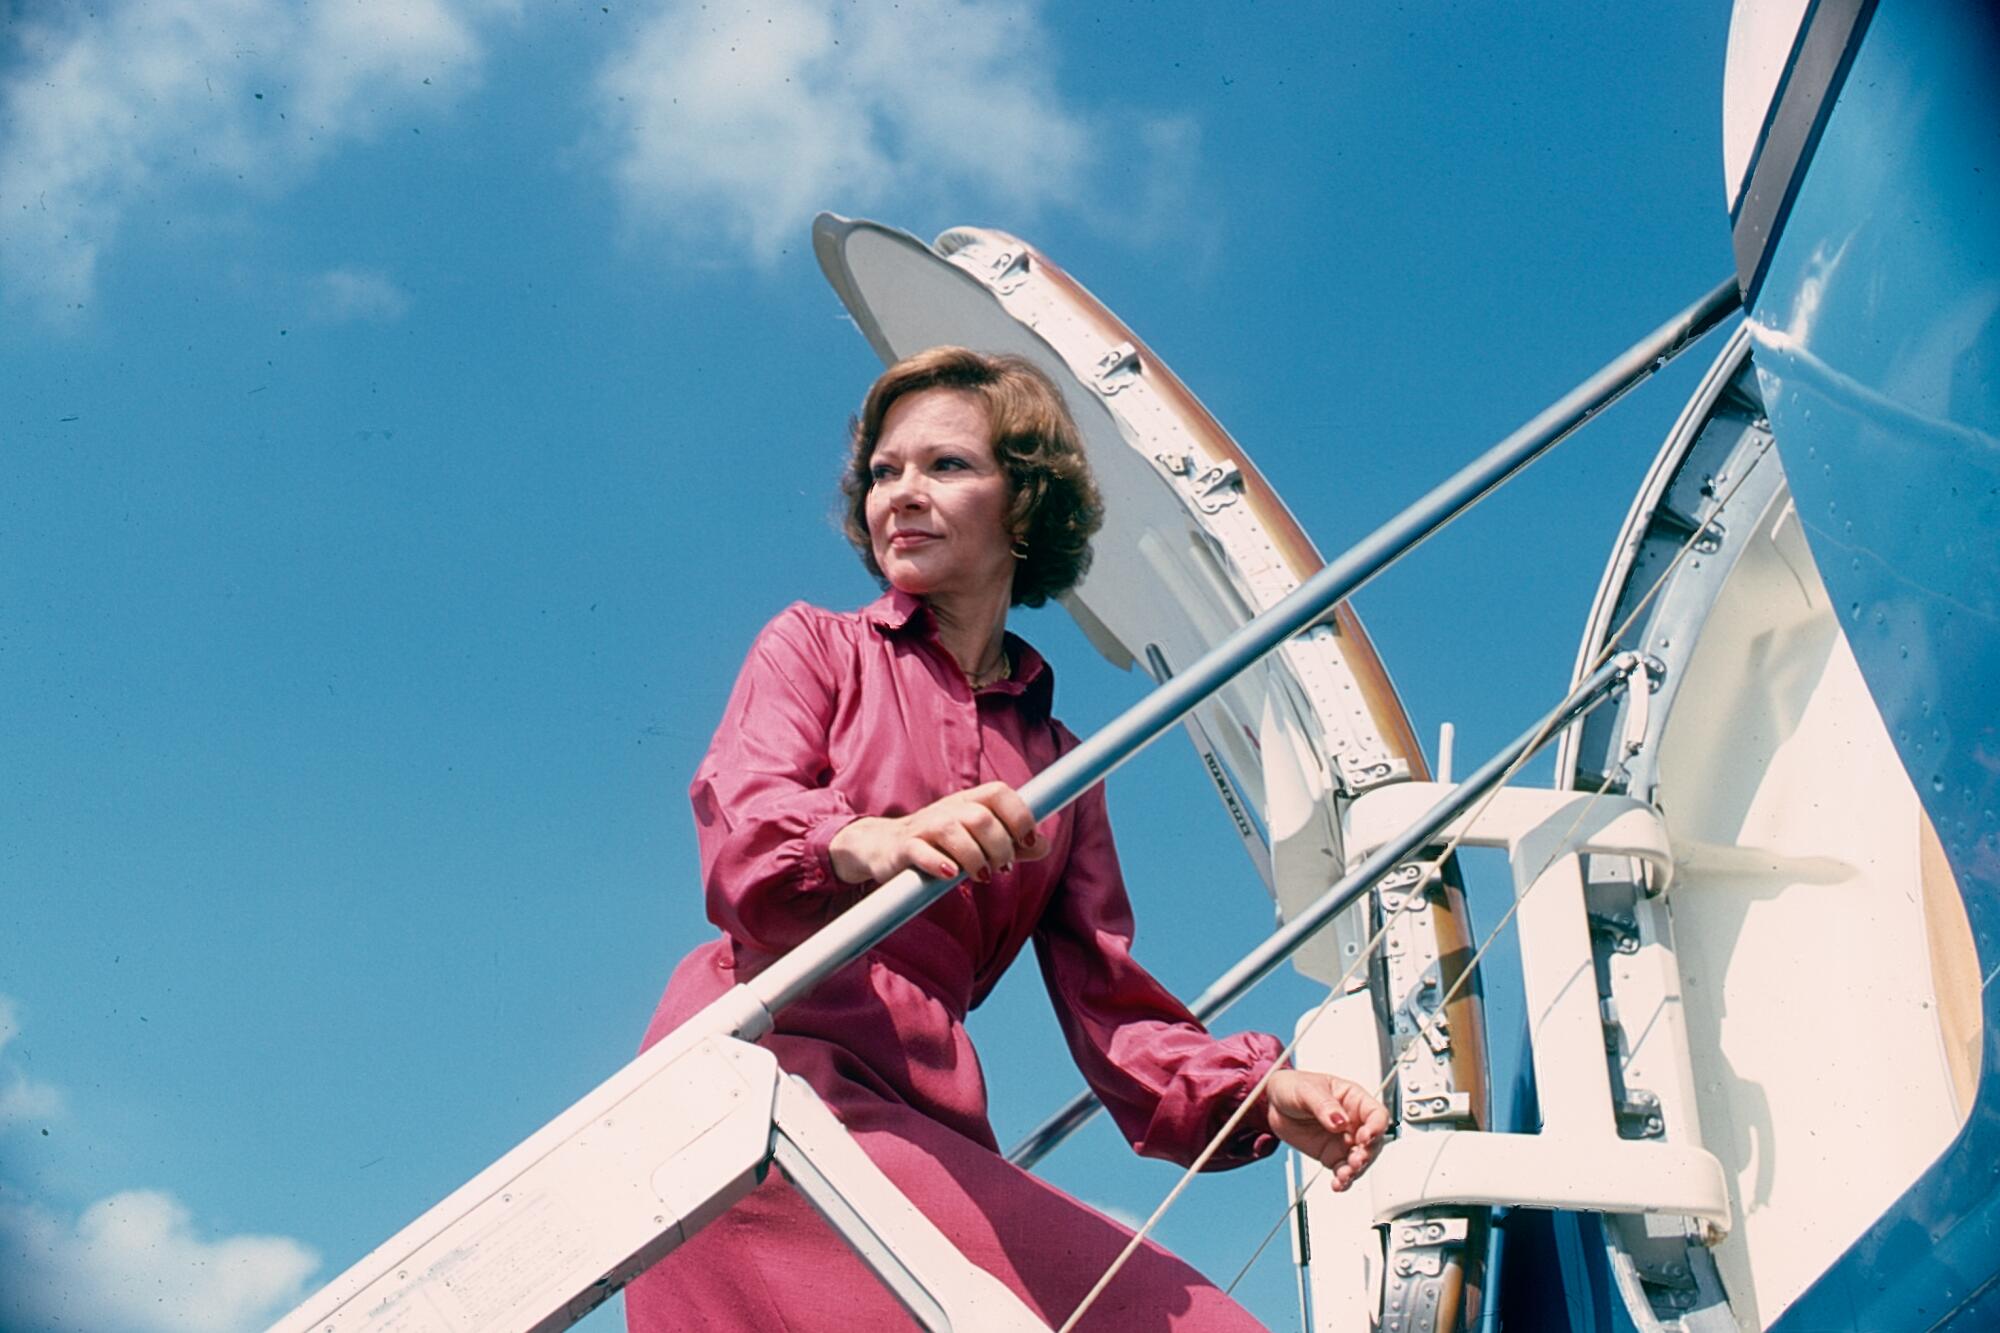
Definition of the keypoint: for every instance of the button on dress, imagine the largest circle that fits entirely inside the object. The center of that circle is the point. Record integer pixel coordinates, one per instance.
(840, 715)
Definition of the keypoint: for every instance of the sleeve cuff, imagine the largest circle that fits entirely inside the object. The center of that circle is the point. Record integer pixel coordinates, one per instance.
(1253, 1139)
(816, 871)
(1200, 1100)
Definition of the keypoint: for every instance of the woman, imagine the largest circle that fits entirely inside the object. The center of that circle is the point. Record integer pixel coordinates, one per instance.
(858, 745)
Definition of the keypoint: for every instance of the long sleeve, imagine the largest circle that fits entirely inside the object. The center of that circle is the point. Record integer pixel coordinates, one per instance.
(1165, 1080)
(764, 814)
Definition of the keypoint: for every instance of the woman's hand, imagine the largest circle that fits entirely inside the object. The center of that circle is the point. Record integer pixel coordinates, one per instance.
(1328, 1119)
(980, 831)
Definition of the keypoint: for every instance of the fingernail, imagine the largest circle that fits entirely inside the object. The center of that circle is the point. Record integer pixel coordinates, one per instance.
(947, 869)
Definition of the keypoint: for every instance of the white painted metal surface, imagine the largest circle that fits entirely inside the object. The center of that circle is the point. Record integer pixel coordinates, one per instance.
(1610, 824)
(1761, 33)
(1342, 1268)
(1801, 923)
(938, 1285)
(1807, 995)
(526, 1242)
(545, 1234)
(1588, 1173)
(1579, 1160)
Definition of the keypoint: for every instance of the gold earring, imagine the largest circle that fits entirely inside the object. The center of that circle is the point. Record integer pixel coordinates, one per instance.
(1019, 550)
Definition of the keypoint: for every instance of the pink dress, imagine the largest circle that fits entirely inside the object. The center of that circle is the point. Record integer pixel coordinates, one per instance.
(840, 715)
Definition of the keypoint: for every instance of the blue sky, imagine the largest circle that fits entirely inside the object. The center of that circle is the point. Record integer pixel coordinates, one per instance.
(409, 411)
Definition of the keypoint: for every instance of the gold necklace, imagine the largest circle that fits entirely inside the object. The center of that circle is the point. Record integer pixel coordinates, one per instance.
(998, 673)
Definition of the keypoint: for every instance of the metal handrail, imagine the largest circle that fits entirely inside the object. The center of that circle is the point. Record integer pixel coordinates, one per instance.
(1263, 960)
(872, 919)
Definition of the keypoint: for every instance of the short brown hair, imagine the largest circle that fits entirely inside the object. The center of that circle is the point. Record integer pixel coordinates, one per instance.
(1055, 509)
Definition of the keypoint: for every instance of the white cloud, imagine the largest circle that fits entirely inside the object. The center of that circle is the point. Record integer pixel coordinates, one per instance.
(110, 109)
(22, 1099)
(1125, 1217)
(729, 120)
(747, 119)
(359, 293)
(134, 1262)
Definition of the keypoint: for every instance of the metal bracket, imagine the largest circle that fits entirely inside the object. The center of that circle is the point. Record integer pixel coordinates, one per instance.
(1673, 1282)
(1415, 1283)
(1439, 1108)
(1420, 1243)
(1423, 1012)
(1435, 1028)
(1403, 889)
(1638, 1115)
(1009, 271)
(1711, 533)
(1620, 934)
(1116, 369)
(1360, 773)
(1210, 489)
(1412, 972)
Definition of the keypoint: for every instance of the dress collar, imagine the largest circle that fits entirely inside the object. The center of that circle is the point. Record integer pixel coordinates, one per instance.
(895, 609)
(896, 612)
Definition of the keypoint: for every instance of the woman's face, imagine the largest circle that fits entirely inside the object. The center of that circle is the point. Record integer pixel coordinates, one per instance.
(937, 499)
